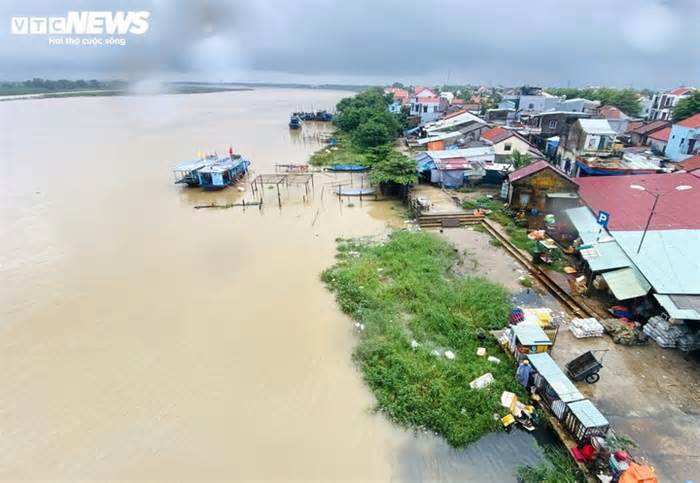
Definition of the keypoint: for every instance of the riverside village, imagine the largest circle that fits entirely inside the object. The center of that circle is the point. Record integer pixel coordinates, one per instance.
(546, 277)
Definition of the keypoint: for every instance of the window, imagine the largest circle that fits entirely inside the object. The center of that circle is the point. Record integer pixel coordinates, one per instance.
(508, 147)
(552, 124)
(425, 108)
(531, 106)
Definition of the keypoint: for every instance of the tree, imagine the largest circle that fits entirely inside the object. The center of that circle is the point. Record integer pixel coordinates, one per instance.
(392, 170)
(627, 100)
(372, 133)
(686, 107)
(519, 159)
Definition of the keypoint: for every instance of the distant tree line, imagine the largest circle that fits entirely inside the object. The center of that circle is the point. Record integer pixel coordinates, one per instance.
(38, 84)
(627, 100)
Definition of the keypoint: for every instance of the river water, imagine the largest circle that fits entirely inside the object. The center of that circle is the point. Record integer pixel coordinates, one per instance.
(143, 339)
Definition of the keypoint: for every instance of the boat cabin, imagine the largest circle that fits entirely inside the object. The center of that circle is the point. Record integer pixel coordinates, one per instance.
(222, 173)
(186, 172)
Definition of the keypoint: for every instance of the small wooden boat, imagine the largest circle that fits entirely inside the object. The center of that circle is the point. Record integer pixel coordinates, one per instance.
(348, 191)
(222, 173)
(347, 168)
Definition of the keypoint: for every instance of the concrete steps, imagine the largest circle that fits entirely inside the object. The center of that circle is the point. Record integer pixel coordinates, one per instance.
(447, 219)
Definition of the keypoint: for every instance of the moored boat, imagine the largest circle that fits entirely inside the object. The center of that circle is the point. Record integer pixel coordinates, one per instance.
(347, 168)
(186, 172)
(222, 173)
(295, 122)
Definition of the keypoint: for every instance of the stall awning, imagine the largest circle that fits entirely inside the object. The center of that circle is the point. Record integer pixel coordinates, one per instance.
(531, 334)
(555, 377)
(588, 414)
(626, 283)
(604, 256)
(682, 307)
(570, 196)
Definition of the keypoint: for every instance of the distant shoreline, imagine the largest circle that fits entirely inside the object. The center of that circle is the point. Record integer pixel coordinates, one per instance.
(169, 88)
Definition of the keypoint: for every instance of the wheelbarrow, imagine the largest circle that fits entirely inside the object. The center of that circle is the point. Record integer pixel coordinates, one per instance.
(585, 367)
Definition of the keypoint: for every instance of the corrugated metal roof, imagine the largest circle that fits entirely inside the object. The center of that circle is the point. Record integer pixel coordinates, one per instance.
(684, 307)
(469, 153)
(454, 121)
(626, 283)
(605, 256)
(629, 209)
(534, 168)
(439, 137)
(531, 334)
(584, 222)
(596, 126)
(555, 377)
(586, 412)
(668, 258)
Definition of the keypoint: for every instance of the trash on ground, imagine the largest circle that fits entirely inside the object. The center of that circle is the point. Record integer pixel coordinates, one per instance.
(414, 344)
(493, 359)
(482, 381)
(481, 351)
(450, 355)
(624, 332)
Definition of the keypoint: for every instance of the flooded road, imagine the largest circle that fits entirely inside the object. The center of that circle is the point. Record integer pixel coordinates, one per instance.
(143, 339)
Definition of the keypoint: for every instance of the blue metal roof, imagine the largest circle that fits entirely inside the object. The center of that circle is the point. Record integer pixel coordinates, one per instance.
(585, 223)
(225, 164)
(588, 414)
(668, 259)
(191, 165)
(555, 377)
(605, 256)
(531, 334)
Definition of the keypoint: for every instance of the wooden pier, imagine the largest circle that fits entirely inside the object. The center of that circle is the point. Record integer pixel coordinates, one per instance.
(279, 179)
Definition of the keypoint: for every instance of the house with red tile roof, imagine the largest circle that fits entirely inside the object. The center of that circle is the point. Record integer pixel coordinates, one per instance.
(617, 119)
(542, 187)
(662, 103)
(507, 141)
(639, 134)
(658, 140)
(691, 164)
(427, 104)
(629, 208)
(684, 140)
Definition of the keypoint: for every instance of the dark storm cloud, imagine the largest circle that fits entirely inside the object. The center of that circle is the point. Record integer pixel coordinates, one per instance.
(641, 42)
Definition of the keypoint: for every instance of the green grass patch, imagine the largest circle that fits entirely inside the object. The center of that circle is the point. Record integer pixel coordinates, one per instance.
(525, 281)
(557, 467)
(403, 290)
(343, 153)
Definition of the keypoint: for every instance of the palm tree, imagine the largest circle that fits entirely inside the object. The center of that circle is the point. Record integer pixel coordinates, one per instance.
(519, 159)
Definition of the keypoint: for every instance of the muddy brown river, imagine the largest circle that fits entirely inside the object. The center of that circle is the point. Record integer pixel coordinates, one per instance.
(143, 339)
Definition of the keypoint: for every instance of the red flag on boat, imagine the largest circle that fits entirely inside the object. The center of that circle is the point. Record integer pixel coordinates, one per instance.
(230, 151)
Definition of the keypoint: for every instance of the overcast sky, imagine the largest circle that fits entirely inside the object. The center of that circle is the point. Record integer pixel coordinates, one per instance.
(639, 43)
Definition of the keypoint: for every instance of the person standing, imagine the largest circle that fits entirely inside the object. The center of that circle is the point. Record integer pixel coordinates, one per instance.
(522, 374)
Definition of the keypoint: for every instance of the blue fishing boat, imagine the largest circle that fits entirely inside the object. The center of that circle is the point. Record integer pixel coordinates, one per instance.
(347, 168)
(186, 172)
(295, 122)
(349, 191)
(222, 173)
